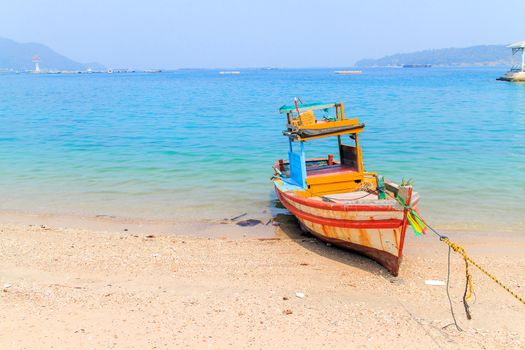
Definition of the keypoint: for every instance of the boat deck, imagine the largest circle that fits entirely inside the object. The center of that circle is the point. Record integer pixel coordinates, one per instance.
(362, 197)
(347, 197)
(335, 169)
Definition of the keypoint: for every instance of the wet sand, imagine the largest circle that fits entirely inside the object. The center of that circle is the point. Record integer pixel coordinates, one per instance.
(94, 289)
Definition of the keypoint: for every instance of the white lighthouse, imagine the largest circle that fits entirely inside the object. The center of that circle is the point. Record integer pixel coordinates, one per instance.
(36, 61)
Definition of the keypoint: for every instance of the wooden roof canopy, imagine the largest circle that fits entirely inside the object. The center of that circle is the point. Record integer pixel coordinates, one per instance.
(305, 126)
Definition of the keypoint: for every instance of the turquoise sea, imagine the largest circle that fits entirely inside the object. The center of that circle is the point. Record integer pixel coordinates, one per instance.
(194, 145)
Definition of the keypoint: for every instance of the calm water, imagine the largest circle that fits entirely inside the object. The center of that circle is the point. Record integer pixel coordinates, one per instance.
(194, 145)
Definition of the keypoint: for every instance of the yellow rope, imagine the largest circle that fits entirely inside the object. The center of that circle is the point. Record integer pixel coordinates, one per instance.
(460, 250)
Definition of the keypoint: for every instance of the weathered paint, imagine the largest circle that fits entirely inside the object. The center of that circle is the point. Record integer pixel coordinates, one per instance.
(375, 227)
(378, 234)
(368, 213)
(387, 206)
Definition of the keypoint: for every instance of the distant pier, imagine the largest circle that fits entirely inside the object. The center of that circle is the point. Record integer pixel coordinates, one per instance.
(517, 71)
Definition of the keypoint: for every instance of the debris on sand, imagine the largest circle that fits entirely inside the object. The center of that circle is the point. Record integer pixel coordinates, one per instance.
(238, 216)
(435, 283)
(249, 222)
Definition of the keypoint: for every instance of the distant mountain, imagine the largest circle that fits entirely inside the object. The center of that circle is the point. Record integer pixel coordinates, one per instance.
(483, 55)
(18, 56)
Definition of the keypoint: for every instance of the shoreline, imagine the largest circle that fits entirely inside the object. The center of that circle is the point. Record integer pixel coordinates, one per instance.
(110, 223)
(134, 290)
(214, 228)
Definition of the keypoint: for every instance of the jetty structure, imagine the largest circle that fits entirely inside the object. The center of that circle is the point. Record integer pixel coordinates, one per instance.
(517, 71)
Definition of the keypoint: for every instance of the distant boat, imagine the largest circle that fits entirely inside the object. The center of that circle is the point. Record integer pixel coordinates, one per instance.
(119, 70)
(152, 70)
(417, 65)
(348, 72)
(230, 72)
(67, 72)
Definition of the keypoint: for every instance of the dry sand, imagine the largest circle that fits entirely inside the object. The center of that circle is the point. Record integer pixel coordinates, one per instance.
(85, 289)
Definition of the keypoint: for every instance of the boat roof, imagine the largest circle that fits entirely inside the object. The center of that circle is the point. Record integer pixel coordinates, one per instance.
(517, 45)
(307, 106)
(342, 127)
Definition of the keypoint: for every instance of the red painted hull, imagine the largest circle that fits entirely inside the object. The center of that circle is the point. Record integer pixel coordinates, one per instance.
(376, 229)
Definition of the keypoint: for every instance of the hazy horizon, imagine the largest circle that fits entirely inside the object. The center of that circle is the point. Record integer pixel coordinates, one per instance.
(294, 34)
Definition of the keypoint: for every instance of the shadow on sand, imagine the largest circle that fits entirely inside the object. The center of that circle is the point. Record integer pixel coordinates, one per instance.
(291, 228)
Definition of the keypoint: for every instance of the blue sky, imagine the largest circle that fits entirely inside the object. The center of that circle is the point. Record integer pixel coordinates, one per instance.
(235, 33)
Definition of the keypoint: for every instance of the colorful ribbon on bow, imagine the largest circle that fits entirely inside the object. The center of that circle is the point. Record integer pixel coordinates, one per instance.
(414, 218)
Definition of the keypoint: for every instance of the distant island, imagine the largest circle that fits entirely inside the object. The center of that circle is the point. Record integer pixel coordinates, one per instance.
(18, 57)
(483, 55)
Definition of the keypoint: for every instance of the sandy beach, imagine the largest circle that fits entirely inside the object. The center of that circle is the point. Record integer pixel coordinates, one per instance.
(87, 289)
(186, 175)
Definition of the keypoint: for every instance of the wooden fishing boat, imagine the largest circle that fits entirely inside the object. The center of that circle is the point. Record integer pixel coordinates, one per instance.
(334, 198)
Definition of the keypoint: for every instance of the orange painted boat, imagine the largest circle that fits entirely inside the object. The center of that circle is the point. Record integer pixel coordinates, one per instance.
(336, 199)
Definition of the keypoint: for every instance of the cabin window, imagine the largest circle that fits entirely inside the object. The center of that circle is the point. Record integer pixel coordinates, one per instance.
(349, 157)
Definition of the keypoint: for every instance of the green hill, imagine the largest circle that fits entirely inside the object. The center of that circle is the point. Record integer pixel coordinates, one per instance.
(18, 56)
(483, 55)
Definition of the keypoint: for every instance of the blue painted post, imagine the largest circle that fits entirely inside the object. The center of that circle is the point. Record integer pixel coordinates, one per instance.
(303, 166)
(298, 167)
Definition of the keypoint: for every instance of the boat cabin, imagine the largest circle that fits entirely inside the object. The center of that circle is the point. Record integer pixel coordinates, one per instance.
(328, 174)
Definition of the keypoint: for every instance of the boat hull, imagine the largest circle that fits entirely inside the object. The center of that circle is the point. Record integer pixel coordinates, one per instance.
(376, 231)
